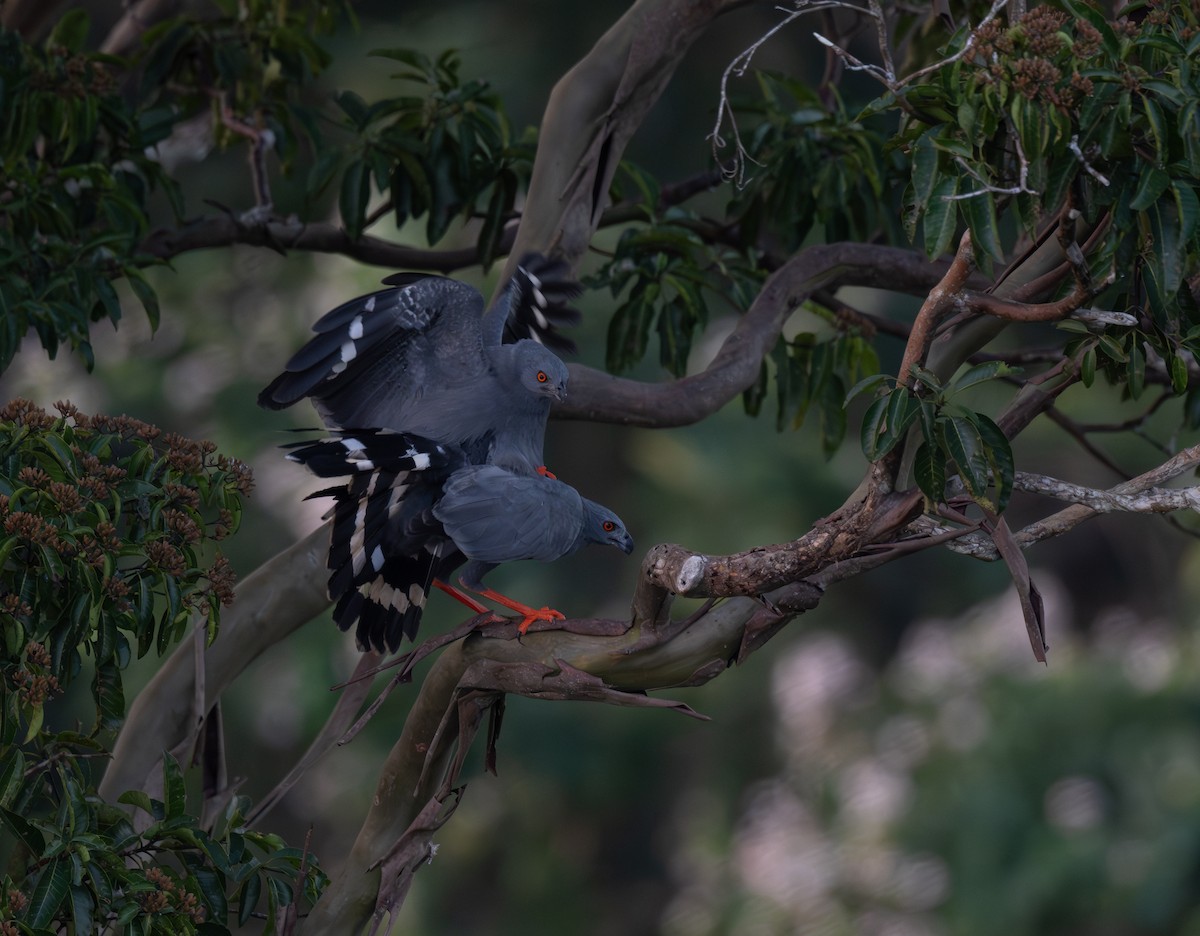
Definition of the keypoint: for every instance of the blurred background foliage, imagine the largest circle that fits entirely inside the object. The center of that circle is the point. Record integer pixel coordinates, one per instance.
(894, 763)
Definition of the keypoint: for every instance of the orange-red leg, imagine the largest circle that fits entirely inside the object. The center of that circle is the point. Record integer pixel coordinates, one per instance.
(547, 473)
(529, 614)
(459, 596)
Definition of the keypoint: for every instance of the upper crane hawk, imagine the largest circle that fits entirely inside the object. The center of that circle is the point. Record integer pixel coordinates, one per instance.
(424, 357)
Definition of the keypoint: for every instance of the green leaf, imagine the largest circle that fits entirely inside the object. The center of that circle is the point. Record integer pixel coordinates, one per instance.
(12, 769)
(355, 194)
(980, 213)
(1179, 373)
(1188, 206)
(941, 217)
(1152, 183)
(962, 442)
(29, 835)
(929, 468)
(980, 373)
(248, 898)
(1000, 458)
(70, 31)
(83, 909)
(142, 801)
(886, 421)
(1087, 367)
(492, 229)
(867, 383)
(212, 889)
(924, 168)
(354, 107)
(146, 295)
(49, 893)
(1167, 257)
(1136, 370)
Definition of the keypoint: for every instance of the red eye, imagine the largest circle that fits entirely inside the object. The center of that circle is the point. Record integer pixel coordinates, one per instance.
(541, 377)
(609, 526)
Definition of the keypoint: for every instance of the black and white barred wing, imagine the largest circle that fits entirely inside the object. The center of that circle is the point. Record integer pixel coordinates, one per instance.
(535, 303)
(374, 358)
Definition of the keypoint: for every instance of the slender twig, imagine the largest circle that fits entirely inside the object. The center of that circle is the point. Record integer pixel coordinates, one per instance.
(1091, 170)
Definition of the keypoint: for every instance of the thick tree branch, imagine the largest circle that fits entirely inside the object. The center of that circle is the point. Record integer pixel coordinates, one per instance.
(592, 114)
(277, 598)
(600, 397)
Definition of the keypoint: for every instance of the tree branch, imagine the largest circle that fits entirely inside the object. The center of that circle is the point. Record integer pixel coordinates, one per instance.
(277, 598)
(592, 114)
(600, 397)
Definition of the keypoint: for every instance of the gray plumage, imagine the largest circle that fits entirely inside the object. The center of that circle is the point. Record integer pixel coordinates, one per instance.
(495, 516)
(413, 512)
(424, 357)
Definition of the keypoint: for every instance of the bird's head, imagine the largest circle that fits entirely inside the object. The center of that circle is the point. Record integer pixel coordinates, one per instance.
(539, 370)
(602, 526)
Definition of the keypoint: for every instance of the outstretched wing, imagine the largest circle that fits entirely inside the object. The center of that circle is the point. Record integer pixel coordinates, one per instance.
(374, 358)
(534, 304)
(495, 516)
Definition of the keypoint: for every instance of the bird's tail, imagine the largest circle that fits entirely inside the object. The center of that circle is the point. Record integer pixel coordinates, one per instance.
(383, 551)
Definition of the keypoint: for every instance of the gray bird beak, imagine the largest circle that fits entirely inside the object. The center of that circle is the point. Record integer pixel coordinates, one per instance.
(560, 392)
(625, 544)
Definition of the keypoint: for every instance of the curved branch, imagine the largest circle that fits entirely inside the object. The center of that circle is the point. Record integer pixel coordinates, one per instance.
(277, 598)
(592, 114)
(600, 397)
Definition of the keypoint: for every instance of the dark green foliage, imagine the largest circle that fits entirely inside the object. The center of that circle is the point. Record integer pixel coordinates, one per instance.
(810, 164)
(949, 432)
(672, 275)
(436, 154)
(105, 525)
(87, 865)
(75, 192)
(1068, 109)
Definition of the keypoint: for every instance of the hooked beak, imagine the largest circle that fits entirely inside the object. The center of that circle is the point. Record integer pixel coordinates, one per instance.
(559, 392)
(624, 543)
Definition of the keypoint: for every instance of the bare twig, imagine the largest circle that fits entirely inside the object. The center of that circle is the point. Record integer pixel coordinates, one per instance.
(1091, 170)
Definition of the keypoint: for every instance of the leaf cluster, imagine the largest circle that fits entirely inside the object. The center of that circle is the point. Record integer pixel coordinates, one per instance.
(441, 152)
(104, 525)
(74, 199)
(669, 275)
(1067, 108)
(82, 864)
(814, 169)
(950, 433)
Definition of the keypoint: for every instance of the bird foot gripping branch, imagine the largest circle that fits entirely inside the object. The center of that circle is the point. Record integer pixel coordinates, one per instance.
(529, 614)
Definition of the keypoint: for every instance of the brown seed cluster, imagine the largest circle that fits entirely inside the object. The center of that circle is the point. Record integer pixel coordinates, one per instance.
(73, 76)
(221, 580)
(25, 413)
(11, 603)
(166, 557)
(35, 688)
(170, 895)
(1034, 56)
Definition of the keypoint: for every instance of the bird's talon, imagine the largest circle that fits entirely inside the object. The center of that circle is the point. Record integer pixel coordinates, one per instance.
(539, 614)
(547, 473)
